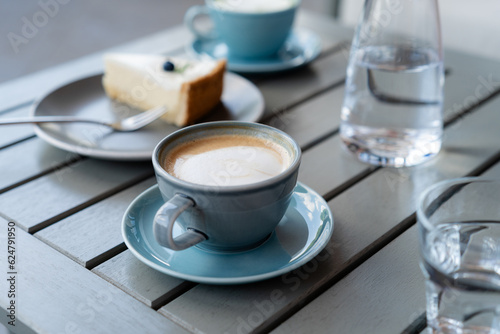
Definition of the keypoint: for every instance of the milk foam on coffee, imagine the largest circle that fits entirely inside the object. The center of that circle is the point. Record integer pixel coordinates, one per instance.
(227, 160)
(254, 6)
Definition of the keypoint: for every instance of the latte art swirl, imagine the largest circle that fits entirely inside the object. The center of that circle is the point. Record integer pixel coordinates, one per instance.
(227, 160)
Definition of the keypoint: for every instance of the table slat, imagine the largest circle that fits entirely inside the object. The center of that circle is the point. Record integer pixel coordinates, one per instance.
(89, 234)
(289, 88)
(326, 166)
(29, 159)
(313, 119)
(43, 201)
(56, 295)
(140, 281)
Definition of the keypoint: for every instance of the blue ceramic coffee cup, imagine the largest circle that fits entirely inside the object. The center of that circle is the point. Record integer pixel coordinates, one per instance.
(222, 217)
(247, 33)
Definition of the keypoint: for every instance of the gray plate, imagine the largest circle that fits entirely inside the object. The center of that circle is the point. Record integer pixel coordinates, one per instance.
(241, 101)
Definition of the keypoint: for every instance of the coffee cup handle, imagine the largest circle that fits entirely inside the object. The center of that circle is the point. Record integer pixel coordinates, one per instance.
(164, 220)
(191, 15)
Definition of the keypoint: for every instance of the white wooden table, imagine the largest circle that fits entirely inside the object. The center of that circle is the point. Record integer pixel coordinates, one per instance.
(75, 275)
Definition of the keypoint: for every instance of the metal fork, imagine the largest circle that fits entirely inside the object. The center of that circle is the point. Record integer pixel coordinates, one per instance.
(128, 124)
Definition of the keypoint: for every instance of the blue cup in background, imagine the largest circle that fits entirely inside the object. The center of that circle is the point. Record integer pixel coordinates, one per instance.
(246, 34)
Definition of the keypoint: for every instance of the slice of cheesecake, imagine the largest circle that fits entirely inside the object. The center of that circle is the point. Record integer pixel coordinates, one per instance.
(188, 88)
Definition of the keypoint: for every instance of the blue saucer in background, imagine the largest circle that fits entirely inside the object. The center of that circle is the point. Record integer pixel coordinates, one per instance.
(301, 47)
(303, 232)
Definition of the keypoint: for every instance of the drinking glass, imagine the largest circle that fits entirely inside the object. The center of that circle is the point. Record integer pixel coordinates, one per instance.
(392, 110)
(459, 234)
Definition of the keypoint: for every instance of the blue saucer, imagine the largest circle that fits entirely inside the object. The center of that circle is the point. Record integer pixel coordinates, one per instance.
(302, 233)
(301, 47)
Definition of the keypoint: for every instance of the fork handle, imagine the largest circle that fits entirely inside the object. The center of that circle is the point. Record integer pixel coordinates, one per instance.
(49, 119)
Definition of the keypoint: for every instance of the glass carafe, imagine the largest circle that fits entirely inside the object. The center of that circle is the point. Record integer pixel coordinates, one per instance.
(392, 112)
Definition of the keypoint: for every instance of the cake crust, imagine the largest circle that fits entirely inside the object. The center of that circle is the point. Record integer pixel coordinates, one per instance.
(201, 95)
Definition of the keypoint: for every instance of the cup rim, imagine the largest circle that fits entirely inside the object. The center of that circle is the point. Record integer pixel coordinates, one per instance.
(209, 4)
(294, 165)
(422, 217)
